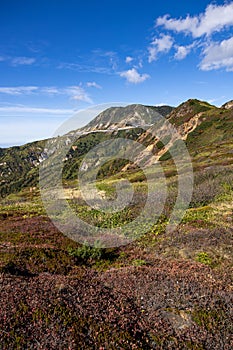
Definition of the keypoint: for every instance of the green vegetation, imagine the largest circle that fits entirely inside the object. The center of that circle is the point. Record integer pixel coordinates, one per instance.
(139, 262)
(87, 252)
(203, 258)
(165, 290)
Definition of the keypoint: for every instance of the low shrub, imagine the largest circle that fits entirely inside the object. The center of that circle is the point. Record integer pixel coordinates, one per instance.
(204, 258)
(87, 252)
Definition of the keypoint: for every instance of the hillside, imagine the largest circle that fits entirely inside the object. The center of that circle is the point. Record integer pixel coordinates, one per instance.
(202, 126)
(129, 116)
(228, 105)
(206, 130)
(19, 165)
(166, 289)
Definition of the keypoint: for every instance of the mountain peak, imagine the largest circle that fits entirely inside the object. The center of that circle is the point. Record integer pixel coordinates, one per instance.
(189, 109)
(135, 115)
(228, 105)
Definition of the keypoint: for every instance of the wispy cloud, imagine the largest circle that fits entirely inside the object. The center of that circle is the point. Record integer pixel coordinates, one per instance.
(37, 46)
(162, 44)
(94, 84)
(85, 68)
(132, 76)
(50, 90)
(18, 90)
(37, 110)
(78, 93)
(104, 58)
(219, 100)
(18, 61)
(97, 61)
(74, 92)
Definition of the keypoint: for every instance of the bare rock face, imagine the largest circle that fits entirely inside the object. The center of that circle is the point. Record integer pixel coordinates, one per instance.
(228, 105)
(130, 116)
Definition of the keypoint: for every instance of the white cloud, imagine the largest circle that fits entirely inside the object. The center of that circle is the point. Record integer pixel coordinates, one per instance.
(218, 55)
(132, 76)
(82, 97)
(18, 90)
(37, 110)
(128, 59)
(17, 61)
(74, 92)
(78, 93)
(214, 19)
(85, 68)
(51, 90)
(93, 84)
(182, 51)
(97, 61)
(178, 25)
(140, 63)
(162, 44)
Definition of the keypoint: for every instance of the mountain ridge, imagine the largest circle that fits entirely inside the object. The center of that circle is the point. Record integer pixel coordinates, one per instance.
(198, 122)
(133, 115)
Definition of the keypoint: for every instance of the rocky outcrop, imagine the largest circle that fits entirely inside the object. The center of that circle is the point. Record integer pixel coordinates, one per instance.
(228, 105)
(131, 116)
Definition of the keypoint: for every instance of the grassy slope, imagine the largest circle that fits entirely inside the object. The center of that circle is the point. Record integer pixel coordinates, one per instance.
(18, 167)
(163, 291)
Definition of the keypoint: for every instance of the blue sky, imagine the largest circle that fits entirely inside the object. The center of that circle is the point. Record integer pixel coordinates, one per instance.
(57, 57)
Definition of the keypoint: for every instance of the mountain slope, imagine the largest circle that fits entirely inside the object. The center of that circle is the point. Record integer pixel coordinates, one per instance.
(206, 129)
(165, 290)
(228, 105)
(19, 165)
(130, 116)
